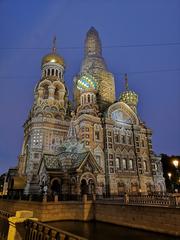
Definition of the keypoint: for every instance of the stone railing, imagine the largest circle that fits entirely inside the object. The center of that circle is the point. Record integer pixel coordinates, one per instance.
(4, 224)
(152, 200)
(40, 231)
(144, 199)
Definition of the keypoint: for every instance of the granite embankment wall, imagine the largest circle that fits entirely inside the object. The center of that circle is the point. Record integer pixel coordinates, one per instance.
(158, 219)
(52, 211)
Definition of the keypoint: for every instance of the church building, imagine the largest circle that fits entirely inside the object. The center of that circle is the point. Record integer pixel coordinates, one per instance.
(98, 144)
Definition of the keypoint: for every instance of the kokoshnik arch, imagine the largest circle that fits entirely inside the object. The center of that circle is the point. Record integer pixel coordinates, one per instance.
(98, 145)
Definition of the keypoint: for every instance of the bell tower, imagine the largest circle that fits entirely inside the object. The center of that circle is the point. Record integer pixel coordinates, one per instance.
(94, 64)
(48, 120)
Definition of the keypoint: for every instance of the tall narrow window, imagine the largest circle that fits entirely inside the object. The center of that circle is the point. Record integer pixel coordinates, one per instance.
(129, 140)
(124, 163)
(116, 138)
(89, 100)
(52, 72)
(123, 139)
(56, 94)
(130, 164)
(98, 159)
(145, 166)
(118, 165)
(97, 136)
(46, 92)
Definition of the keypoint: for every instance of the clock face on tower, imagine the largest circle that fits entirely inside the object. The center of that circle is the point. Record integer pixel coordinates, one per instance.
(120, 116)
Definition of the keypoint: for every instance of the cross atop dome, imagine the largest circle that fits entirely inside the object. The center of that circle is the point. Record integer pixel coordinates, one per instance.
(54, 45)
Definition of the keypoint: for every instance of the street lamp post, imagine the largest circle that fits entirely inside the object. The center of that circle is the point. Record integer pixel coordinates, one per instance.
(176, 164)
(172, 185)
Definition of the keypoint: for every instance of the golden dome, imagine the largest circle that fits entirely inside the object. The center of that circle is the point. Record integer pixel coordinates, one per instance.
(54, 58)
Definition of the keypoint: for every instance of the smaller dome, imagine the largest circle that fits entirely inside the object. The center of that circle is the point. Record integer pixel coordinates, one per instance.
(129, 97)
(53, 58)
(87, 82)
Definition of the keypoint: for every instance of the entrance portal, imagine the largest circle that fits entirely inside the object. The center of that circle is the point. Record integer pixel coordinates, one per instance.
(55, 187)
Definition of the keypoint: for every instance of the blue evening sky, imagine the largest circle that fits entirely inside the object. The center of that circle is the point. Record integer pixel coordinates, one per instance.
(140, 37)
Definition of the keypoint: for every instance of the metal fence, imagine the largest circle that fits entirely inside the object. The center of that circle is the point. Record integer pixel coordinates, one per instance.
(41, 231)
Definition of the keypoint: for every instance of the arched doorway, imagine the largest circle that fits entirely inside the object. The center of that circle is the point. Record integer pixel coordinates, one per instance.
(55, 187)
(91, 187)
(134, 187)
(84, 187)
(121, 187)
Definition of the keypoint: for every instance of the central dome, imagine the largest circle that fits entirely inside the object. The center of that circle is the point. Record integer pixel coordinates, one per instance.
(87, 82)
(53, 58)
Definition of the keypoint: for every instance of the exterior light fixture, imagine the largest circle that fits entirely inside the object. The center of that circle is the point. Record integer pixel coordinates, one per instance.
(169, 175)
(176, 163)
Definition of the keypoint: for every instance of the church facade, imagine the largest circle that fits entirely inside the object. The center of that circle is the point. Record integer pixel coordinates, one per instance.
(97, 145)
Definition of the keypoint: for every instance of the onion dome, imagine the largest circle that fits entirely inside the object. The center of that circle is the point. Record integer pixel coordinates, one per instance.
(129, 97)
(87, 83)
(53, 57)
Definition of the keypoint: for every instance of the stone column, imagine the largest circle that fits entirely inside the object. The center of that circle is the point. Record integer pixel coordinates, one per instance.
(20, 217)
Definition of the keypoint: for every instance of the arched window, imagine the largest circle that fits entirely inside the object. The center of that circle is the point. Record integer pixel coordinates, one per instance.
(130, 164)
(46, 91)
(145, 166)
(121, 187)
(52, 72)
(118, 164)
(89, 99)
(48, 73)
(56, 94)
(56, 72)
(123, 139)
(98, 159)
(124, 163)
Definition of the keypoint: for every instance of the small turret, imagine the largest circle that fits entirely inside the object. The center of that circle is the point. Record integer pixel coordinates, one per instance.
(129, 97)
(87, 86)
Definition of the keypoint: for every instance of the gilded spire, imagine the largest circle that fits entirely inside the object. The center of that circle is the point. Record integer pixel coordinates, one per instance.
(54, 45)
(126, 82)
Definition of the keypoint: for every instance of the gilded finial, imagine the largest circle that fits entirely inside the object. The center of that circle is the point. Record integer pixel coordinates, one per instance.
(54, 45)
(126, 81)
